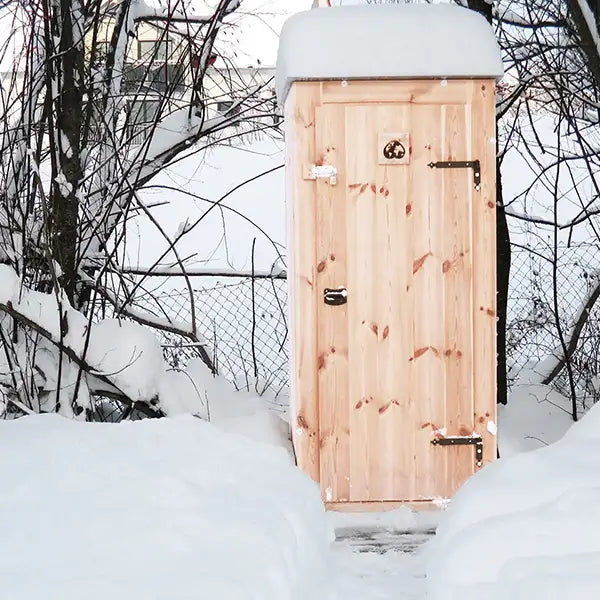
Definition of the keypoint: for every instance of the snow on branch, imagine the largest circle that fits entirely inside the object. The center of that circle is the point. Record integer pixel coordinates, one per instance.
(177, 132)
(176, 271)
(590, 23)
(176, 14)
(87, 123)
(115, 356)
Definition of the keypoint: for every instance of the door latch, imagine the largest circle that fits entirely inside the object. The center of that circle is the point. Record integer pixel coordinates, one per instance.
(323, 172)
(335, 297)
(461, 164)
(468, 440)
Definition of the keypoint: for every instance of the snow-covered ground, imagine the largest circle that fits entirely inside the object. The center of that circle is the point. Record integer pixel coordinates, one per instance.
(535, 416)
(373, 576)
(172, 508)
(180, 508)
(184, 509)
(525, 527)
(177, 508)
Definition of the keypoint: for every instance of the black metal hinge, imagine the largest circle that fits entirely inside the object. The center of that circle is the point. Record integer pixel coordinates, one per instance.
(461, 164)
(468, 440)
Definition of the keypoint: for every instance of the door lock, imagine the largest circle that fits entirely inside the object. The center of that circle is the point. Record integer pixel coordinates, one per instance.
(335, 297)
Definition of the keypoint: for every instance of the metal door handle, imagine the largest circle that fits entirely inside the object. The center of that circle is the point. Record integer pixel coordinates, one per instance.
(335, 297)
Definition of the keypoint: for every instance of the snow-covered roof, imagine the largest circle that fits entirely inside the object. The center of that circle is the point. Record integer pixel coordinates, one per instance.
(386, 41)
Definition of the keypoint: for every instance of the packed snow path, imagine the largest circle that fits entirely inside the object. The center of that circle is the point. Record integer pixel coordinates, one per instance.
(375, 558)
(382, 541)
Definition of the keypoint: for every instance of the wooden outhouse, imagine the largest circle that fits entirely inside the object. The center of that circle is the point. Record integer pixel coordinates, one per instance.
(391, 164)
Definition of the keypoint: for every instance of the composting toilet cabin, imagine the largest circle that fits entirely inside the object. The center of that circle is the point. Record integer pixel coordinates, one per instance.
(390, 158)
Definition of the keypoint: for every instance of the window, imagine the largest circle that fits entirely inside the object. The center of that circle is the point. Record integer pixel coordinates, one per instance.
(143, 110)
(226, 106)
(154, 50)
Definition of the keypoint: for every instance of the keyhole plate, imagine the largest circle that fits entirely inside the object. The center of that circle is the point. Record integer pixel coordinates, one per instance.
(393, 148)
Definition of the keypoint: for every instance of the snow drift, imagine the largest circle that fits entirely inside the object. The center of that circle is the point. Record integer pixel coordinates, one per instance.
(537, 415)
(170, 508)
(525, 527)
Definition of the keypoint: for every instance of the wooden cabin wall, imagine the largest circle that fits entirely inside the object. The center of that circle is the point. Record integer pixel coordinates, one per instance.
(301, 204)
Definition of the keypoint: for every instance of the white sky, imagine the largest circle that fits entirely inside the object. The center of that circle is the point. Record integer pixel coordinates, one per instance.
(262, 22)
(259, 29)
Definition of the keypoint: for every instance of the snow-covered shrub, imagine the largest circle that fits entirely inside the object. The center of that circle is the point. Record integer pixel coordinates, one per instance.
(74, 159)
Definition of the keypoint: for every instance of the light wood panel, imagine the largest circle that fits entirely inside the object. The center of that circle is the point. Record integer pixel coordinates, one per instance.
(412, 354)
(362, 339)
(457, 185)
(483, 142)
(300, 148)
(379, 506)
(332, 344)
(414, 91)
(393, 292)
(380, 393)
(426, 216)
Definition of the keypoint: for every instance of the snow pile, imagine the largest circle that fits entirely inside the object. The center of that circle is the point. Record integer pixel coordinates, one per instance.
(247, 414)
(535, 416)
(42, 309)
(130, 355)
(170, 508)
(386, 41)
(525, 527)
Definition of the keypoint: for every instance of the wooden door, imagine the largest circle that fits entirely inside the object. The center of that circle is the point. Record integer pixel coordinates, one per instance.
(396, 362)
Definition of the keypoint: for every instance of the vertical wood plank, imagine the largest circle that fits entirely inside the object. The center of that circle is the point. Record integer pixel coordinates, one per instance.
(362, 290)
(332, 344)
(395, 400)
(457, 274)
(427, 217)
(300, 197)
(484, 266)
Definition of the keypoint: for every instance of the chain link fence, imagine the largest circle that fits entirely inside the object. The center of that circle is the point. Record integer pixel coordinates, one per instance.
(534, 315)
(244, 321)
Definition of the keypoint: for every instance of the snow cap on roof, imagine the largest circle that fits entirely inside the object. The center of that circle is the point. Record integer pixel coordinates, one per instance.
(394, 41)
